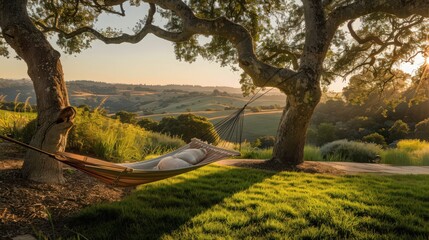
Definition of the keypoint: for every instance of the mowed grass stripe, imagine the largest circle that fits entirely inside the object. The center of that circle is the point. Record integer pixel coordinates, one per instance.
(231, 203)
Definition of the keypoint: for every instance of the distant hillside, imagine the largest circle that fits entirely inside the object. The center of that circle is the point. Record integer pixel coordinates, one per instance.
(156, 101)
(145, 99)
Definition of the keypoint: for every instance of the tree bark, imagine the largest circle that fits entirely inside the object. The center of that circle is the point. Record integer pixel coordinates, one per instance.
(45, 70)
(291, 133)
(305, 92)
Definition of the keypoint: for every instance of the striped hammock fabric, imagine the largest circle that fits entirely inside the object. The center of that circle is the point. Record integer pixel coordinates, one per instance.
(132, 174)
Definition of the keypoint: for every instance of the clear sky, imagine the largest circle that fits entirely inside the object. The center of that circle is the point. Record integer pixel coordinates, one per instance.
(152, 61)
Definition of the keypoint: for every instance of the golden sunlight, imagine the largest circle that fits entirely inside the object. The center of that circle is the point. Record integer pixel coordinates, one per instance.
(410, 68)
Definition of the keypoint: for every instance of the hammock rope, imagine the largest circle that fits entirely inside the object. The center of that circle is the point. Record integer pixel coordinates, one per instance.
(231, 127)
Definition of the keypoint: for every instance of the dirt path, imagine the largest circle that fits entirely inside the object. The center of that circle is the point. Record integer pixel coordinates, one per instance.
(353, 168)
(339, 167)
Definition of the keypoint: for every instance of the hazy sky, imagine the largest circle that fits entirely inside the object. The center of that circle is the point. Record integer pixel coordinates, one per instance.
(152, 61)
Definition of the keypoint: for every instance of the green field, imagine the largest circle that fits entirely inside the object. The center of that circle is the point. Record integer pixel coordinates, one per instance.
(233, 203)
(255, 124)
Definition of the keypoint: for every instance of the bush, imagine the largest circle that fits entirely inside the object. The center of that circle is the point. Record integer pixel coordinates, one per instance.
(326, 132)
(399, 130)
(265, 142)
(375, 138)
(351, 151)
(421, 130)
(126, 117)
(188, 126)
(148, 124)
(411, 145)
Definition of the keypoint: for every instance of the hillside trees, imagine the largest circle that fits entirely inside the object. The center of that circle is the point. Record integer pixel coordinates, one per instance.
(294, 46)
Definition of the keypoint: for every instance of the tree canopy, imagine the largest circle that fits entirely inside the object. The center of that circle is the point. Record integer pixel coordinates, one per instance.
(365, 35)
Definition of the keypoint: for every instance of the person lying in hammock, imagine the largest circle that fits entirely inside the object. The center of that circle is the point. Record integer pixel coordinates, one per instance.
(183, 159)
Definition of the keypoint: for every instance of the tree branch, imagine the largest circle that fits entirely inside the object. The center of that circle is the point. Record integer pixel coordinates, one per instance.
(148, 28)
(316, 39)
(360, 40)
(106, 7)
(358, 8)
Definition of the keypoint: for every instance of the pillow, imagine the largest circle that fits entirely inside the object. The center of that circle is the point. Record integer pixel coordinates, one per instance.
(169, 163)
(192, 155)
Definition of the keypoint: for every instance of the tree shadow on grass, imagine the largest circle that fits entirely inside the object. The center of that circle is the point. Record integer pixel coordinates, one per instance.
(160, 208)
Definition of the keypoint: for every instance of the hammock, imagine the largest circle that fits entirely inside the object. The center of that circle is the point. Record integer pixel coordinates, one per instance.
(132, 174)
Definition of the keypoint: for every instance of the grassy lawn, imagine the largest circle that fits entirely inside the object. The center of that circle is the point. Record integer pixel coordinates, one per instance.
(231, 203)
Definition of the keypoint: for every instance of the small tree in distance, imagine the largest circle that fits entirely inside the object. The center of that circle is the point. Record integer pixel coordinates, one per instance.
(126, 117)
(375, 138)
(188, 126)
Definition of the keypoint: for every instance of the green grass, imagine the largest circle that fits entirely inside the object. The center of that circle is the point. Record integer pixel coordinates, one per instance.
(13, 123)
(254, 125)
(232, 203)
(259, 125)
(405, 158)
(312, 153)
(97, 135)
(110, 139)
(248, 152)
(410, 152)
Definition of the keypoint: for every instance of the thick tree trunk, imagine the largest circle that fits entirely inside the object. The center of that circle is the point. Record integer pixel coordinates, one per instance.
(45, 70)
(291, 134)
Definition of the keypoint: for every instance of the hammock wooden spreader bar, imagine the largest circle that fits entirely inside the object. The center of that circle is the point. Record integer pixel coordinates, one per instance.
(132, 174)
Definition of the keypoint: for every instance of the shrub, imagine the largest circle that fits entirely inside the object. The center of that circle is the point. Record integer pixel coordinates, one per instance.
(126, 117)
(326, 132)
(148, 124)
(421, 130)
(351, 151)
(375, 138)
(399, 130)
(411, 145)
(265, 142)
(188, 126)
